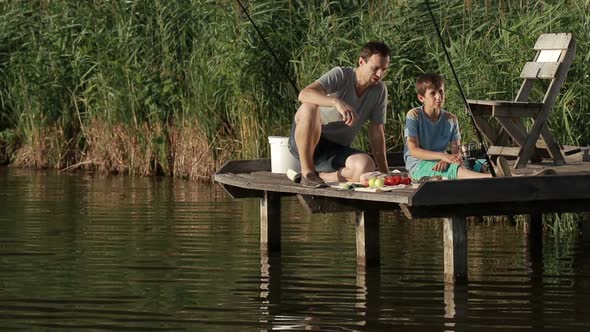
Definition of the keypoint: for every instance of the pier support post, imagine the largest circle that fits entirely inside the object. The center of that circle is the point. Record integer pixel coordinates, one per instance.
(270, 222)
(456, 306)
(368, 296)
(367, 237)
(533, 227)
(270, 285)
(586, 228)
(455, 251)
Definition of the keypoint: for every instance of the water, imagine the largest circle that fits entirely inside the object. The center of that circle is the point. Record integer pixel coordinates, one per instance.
(114, 253)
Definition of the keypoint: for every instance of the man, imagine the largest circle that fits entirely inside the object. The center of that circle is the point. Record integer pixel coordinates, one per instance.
(355, 95)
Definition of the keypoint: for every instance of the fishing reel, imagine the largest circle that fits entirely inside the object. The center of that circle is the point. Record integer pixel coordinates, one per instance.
(471, 151)
(472, 154)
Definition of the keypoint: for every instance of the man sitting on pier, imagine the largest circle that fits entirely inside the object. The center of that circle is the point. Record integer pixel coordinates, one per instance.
(351, 96)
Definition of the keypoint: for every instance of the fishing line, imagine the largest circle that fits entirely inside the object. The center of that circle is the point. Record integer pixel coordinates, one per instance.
(477, 131)
(293, 84)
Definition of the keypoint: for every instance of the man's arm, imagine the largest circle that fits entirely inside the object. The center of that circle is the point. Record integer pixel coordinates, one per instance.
(377, 141)
(316, 94)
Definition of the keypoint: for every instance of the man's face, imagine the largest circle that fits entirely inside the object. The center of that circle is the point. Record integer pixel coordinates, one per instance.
(433, 98)
(374, 68)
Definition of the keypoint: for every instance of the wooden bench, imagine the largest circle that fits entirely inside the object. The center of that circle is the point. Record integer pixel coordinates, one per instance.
(555, 53)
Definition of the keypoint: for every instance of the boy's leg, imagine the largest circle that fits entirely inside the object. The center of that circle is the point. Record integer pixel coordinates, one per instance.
(502, 170)
(454, 171)
(464, 173)
(424, 169)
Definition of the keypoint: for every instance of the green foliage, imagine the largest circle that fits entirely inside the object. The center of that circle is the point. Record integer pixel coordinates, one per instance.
(156, 64)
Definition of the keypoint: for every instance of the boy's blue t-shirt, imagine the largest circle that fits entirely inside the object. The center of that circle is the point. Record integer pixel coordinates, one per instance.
(433, 136)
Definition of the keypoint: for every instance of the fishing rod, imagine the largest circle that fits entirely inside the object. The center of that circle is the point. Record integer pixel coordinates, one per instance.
(477, 131)
(293, 84)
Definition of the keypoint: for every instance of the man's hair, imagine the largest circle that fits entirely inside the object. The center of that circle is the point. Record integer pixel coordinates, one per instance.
(374, 47)
(428, 81)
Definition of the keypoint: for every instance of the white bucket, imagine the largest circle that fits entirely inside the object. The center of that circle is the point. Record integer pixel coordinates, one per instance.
(281, 158)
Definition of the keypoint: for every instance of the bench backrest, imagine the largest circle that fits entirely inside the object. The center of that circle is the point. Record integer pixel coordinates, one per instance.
(555, 53)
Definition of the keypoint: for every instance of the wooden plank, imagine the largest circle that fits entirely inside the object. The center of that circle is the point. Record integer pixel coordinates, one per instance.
(319, 204)
(495, 209)
(488, 131)
(237, 192)
(553, 41)
(367, 237)
(517, 131)
(517, 111)
(481, 110)
(245, 166)
(455, 249)
(512, 151)
(540, 70)
(280, 183)
(270, 222)
(323, 204)
(552, 146)
(513, 130)
(505, 189)
(507, 151)
(482, 104)
(527, 149)
(503, 138)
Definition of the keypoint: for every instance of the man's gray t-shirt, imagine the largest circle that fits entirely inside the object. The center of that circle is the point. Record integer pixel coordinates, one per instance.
(340, 82)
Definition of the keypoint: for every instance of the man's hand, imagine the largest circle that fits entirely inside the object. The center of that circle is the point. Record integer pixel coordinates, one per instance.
(348, 113)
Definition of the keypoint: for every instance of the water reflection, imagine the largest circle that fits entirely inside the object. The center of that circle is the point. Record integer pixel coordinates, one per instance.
(456, 300)
(89, 252)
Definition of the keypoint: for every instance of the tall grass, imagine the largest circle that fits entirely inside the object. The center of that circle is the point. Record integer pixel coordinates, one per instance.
(178, 86)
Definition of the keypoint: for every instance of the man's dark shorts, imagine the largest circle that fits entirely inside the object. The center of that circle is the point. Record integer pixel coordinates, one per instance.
(328, 156)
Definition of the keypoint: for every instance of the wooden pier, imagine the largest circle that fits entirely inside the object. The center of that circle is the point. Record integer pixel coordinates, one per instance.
(451, 200)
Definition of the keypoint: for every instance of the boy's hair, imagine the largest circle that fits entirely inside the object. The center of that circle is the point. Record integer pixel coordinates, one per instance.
(374, 47)
(428, 81)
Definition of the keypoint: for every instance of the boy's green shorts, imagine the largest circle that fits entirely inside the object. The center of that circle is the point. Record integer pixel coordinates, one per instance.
(424, 168)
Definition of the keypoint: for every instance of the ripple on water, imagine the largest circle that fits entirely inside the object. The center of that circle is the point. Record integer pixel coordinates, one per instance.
(99, 253)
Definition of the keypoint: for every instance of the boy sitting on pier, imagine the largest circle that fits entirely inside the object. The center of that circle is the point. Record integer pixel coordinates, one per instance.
(428, 133)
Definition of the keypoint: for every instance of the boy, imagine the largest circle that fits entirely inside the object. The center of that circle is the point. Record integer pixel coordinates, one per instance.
(429, 131)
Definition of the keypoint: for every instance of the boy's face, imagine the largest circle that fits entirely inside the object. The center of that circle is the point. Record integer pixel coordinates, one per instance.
(433, 98)
(373, 69)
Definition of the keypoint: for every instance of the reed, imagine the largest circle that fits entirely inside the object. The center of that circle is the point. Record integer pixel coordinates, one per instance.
(133, 86)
